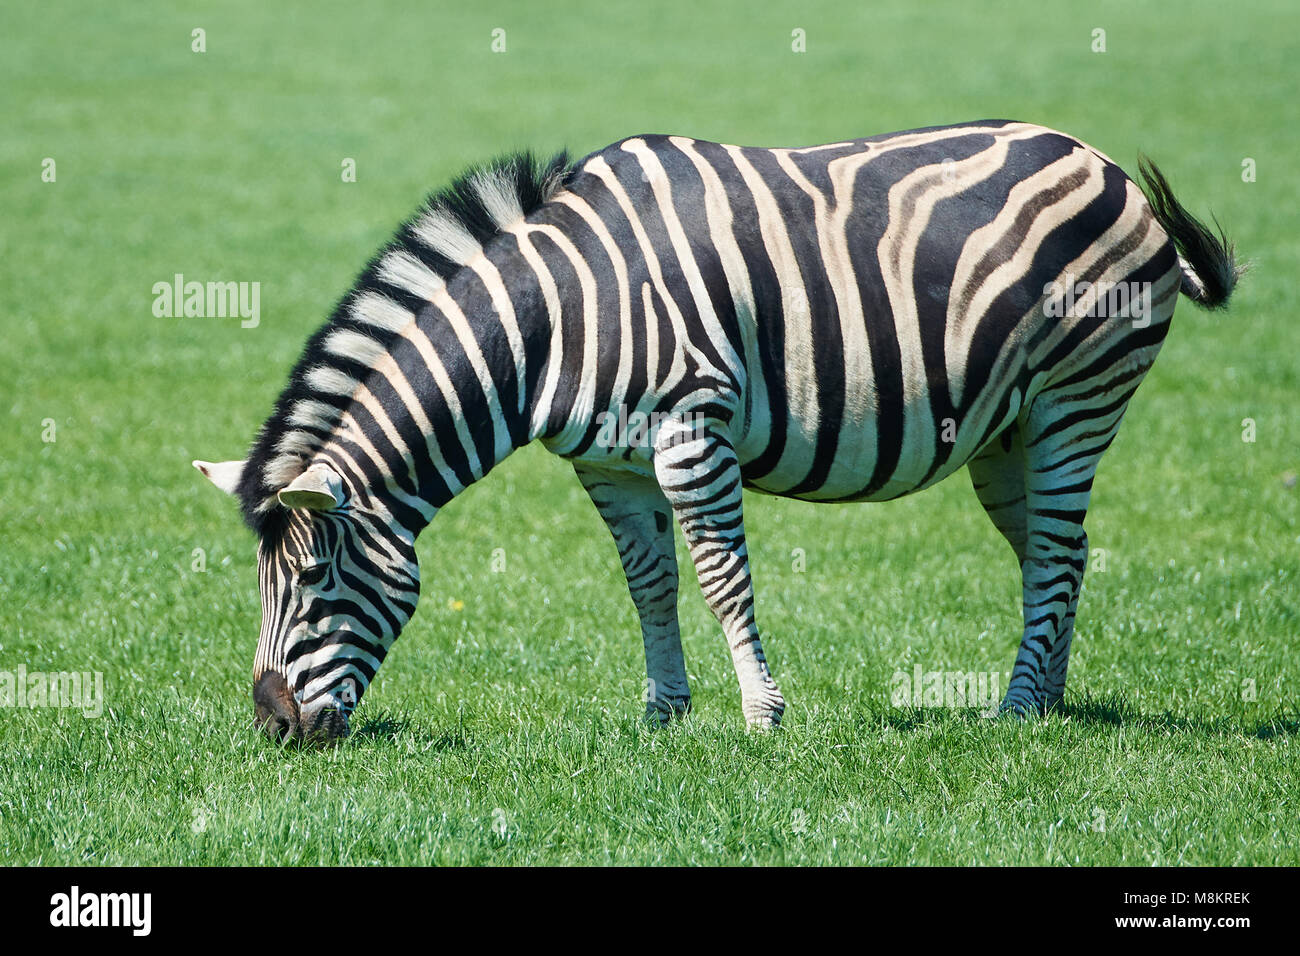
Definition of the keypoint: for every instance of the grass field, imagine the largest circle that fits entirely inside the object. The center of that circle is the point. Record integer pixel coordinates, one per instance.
(505, 725)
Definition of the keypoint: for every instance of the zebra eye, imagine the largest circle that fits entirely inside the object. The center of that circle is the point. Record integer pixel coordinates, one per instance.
(313, 574)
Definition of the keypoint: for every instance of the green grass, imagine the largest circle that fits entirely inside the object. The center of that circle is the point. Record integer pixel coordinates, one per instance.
(505, 728)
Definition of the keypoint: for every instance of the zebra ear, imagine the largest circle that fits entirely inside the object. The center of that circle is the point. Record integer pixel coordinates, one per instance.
(319, 488)
(224, 474)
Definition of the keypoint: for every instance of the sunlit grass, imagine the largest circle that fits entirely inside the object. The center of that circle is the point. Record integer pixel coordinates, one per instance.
(504, 726)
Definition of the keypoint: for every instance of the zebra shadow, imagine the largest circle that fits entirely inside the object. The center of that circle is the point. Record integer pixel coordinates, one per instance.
(1117, 711)
(1111, 710)
(905, 719)
(387, 728)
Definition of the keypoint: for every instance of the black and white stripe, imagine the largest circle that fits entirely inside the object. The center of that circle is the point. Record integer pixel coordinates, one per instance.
(853, 321)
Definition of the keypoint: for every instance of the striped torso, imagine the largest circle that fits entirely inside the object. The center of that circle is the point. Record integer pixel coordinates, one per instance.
(864, 316)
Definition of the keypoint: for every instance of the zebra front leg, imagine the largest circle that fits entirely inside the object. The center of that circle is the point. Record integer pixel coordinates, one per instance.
(639, 518)
(699, 474)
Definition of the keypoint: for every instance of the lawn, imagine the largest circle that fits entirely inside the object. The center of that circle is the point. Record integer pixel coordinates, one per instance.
(505, 726)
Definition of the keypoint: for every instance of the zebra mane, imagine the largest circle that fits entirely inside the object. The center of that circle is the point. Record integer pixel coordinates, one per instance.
(448, 230)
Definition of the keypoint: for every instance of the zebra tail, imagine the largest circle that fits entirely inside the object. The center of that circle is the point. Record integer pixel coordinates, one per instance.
(1209, 266)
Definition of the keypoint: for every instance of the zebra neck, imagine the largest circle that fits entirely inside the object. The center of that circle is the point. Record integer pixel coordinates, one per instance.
(452, 397)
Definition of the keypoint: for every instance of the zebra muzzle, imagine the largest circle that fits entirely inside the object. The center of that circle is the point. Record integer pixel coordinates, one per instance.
(322, 723)
(275, 712)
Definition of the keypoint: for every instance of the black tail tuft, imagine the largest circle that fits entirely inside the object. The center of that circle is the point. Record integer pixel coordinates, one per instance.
(1210, 270)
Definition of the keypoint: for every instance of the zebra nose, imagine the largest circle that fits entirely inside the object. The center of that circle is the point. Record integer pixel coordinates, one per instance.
(323, 722)
(275, 711)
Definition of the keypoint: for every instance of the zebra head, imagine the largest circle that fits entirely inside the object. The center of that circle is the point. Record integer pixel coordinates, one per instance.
(338, 580)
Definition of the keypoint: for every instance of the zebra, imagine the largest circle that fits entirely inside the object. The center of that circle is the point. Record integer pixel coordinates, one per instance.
(846, 322)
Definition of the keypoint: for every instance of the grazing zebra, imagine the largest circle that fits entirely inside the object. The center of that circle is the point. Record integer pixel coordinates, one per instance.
(849, 322)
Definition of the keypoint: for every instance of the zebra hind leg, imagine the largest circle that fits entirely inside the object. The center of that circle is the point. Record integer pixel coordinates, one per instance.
(639, 518)
(1063, 446)
(699, 473)
(998, 475)
(1059, 662)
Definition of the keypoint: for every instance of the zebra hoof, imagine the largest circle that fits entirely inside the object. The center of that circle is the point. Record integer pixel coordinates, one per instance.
(663, 711)
(1020, 708)
(763, 724)
(765, 714)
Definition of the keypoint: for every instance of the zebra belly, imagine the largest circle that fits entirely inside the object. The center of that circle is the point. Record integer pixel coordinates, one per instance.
(856, 473)
(883, 441)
